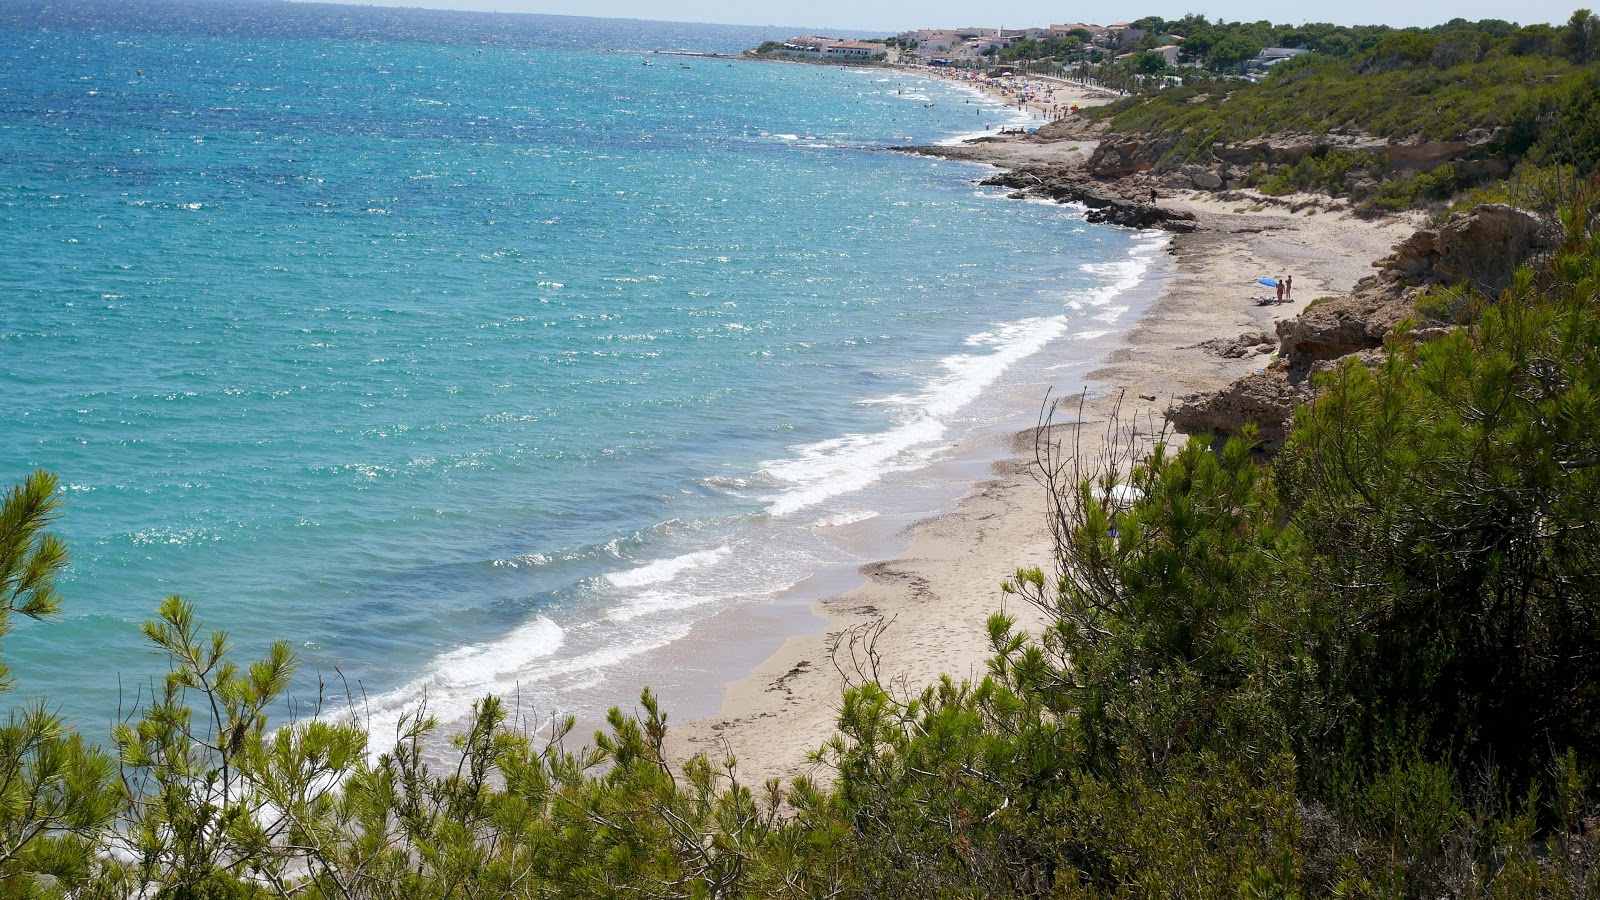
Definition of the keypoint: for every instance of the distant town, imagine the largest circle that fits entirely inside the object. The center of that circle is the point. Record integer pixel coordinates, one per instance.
(1123, 54)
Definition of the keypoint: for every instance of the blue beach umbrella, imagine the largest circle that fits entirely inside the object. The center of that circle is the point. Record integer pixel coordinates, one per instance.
(1269, 282)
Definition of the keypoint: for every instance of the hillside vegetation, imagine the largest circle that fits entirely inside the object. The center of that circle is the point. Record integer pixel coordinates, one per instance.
(1527, 97)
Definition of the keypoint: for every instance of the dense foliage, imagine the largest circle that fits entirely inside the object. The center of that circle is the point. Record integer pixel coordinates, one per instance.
(1404, 86)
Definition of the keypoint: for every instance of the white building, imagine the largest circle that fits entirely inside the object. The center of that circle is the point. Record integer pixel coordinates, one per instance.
(938, 41)
(811, 46)
(1271, 56)
(853, 50)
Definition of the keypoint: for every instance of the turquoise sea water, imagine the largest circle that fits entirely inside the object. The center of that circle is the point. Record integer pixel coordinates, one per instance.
(471, 369)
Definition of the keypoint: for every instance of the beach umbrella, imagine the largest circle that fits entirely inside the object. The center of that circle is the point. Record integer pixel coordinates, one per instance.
(1269, 282)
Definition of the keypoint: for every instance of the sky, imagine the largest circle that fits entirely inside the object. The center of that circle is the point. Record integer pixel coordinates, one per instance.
(889, 16)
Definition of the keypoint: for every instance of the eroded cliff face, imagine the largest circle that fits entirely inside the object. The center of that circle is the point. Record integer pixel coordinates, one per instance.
(1483, 247)
(1122, 155)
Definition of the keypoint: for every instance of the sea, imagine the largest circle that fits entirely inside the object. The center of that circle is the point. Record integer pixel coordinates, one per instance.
(478, 354)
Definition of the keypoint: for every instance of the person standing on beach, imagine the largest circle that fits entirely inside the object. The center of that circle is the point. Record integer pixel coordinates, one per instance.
(1152, 196)
(1288, 289)
(1280, 288)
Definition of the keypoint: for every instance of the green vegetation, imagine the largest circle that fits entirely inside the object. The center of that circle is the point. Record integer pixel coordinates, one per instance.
(1324, 170)
(1323, 96)
(1521, 97)
(1367, 669)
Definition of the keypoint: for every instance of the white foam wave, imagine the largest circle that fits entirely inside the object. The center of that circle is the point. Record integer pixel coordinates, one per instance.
(484, 664)
(826, 469)
(649, 602)
(456, 680)
(841, 465)
(848, 517)
(667, 569)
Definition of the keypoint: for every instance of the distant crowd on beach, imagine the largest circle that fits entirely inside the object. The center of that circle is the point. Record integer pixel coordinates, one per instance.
(1040, 95)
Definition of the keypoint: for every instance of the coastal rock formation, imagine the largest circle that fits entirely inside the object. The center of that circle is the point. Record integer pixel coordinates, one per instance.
(1340, 326)
(1407, 156)
(1108, 202)
(1126, 154)
(1139, 215)
(1251, 343)
(1483, 246)
(1069, 185)
(1325, 333)
(1070, 128)
(1266, 399)
(1122, 155)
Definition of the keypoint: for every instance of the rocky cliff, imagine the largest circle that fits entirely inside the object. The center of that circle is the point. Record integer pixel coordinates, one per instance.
(1228, 164)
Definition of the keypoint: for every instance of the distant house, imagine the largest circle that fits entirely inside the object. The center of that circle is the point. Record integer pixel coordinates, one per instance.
(853, 50)
(805, 45)
(1061, 31)
(1025, 34)
(811, 46)
(937, 41)
(1282, 52)
(1122, 34)
(1169, 52)
(1271, 56)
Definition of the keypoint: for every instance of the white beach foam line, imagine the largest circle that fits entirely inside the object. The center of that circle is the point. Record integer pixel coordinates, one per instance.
(841, 465)
(663, 570)
(848, 517)
(820, 471)
(456, 680)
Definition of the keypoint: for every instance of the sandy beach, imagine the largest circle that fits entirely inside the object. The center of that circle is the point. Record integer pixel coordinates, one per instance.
(1050, 98)
(933, 600)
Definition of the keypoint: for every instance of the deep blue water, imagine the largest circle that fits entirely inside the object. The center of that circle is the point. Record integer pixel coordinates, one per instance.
(470, 368)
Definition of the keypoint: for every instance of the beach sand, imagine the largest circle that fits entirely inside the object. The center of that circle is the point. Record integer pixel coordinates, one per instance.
(1052, 96)
(934, 599)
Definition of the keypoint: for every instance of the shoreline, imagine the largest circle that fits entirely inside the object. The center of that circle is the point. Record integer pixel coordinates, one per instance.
(925, 609)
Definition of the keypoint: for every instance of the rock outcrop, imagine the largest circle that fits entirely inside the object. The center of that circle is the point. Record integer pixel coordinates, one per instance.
(1483, 246)
(1266, 399)
(1340, 326)
(1316, 340)
(1106, 203)
(1121, 155)
(1251, 343)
